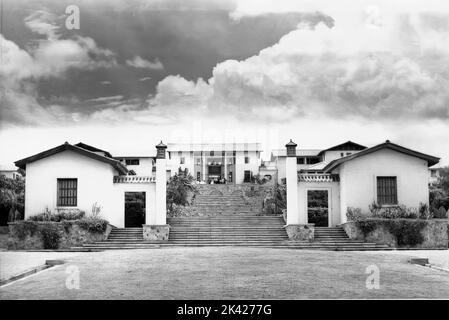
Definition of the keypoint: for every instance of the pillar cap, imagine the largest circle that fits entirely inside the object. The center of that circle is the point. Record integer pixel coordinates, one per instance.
(291, 144)
(161, 145)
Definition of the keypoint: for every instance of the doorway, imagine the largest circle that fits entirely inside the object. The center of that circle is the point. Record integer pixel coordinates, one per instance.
(134, 209)
(318, 207)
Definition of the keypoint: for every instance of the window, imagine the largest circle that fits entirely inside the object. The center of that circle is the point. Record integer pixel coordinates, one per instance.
(246, 159)
(198, 176)
(300, 160)
(183, 160)
(67, 192)
(387, 190)
(132, 162)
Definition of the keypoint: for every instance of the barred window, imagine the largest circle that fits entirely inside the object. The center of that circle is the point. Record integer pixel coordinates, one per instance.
(67, 192)
(387, 190)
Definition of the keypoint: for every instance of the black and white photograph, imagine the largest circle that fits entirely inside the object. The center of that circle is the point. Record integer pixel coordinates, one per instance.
(247, 151)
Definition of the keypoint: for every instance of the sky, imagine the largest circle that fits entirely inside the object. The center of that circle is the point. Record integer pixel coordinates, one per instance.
(137, 72)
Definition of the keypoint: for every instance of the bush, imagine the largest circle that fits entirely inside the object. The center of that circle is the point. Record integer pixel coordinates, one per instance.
(93, 224)
(66, 214)
(441, 213)
(50, 236)
(393, 212)
(354, 214)
(406, 232)
(70, 214)
(178, 188)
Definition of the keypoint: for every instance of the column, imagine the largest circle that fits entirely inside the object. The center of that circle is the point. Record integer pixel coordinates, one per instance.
(292, 184)
(156, 228)
(203, 159)
(297, 227)
(225, 167)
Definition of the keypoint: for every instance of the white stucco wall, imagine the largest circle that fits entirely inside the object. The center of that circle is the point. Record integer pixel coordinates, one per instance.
(336, 154)
(95, 181)
(144, 168)
(358, 186)
(95, 184)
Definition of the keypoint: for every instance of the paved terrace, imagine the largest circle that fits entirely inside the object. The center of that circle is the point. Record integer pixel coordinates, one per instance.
(231, 273)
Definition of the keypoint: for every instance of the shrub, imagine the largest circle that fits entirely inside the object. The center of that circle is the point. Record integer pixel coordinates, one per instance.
(178, 188)
(441, 213)
(367, 226)
(50, 236)
(93, 224)
(406, 232)
(62, 215)
(354, 214)
(394, 212)
(71, 214)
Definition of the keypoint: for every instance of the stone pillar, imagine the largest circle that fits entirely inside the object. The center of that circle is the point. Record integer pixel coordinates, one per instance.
(158, 229)
(297, 227)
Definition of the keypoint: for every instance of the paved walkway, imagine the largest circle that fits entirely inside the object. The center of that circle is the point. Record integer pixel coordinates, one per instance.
(230, 273)
(15, 262)
(439, 258)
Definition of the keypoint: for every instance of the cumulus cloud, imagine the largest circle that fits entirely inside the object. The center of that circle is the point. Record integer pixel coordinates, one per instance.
(50, 57)
(371, 64)
(139, 62)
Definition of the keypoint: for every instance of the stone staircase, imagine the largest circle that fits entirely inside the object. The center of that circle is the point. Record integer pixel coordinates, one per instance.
(217, 204)
(232, 230)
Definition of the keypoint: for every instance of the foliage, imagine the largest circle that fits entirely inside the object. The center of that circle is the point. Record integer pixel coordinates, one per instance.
(443, 180)
(50, 236)
(367, 226)
(178, 188)
(63, 215)
(406, 232)
(93, 224)
(96, 209)
(438, 199)
(393, 212)
(12, 198)
(277, 201)
(354, 214)
(257, 178)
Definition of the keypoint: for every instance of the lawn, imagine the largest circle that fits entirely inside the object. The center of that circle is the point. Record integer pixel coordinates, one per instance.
(231, 273)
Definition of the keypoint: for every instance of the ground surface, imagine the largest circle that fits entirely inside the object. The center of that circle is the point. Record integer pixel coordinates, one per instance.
(229, 273)
(15, 262)
(3, 241)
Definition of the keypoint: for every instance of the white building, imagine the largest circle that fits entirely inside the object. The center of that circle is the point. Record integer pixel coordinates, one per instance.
(80, 176)
(10, 173)
(232, 163)
(313, 159)
(350, 175)
(386, 174)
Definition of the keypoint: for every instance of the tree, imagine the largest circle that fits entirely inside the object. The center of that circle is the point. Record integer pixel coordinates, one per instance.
(178, 188)
(443, 180)
(12, 198)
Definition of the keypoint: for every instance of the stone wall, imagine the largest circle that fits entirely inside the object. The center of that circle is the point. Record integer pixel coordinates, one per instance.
(156, 233)
(27, 235)
(433, 233)
(301, 232)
